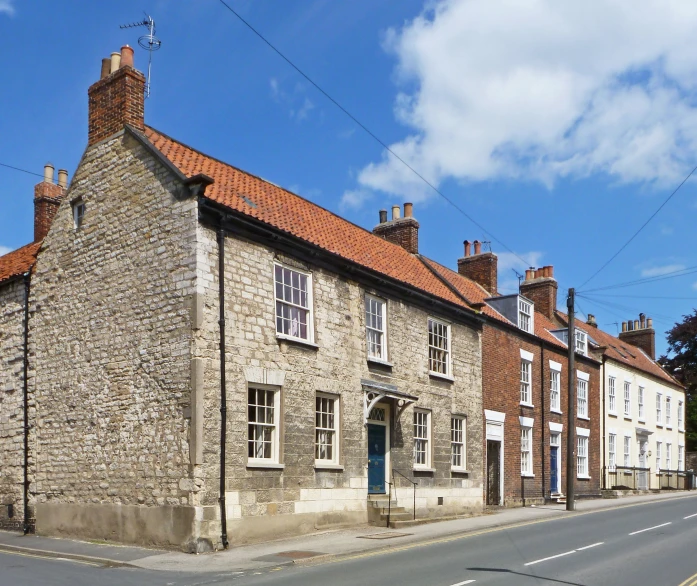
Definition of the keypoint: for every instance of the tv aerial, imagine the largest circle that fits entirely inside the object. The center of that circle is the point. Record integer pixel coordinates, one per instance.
(148, 42)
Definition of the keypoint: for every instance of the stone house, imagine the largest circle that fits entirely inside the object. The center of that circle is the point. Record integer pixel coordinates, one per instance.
(524, 388)
(215, 359)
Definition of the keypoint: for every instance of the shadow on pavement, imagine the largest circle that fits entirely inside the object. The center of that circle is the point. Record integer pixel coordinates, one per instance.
(506, 571)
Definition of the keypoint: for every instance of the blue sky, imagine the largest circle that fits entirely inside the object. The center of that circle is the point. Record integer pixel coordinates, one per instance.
(557, 130)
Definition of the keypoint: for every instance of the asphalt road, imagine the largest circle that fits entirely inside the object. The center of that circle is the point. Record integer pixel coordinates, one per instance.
(652, 544)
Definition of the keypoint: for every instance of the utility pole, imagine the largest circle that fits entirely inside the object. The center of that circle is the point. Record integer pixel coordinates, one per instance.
(570, 433)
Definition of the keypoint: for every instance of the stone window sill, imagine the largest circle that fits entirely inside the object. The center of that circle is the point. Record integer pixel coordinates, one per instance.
(583, 417)
(379, 361)
(441, 376)
(583, 477)
(627, 418)
(459, 471)
(267, 465)
(530, 405)
(298, 341)
(612, 414)
(527, 476)
(558, 411)
(423, 469)
(328, 466)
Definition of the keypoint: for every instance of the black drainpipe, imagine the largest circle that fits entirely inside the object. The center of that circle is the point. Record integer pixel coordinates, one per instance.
(27, 278)
(223, 397)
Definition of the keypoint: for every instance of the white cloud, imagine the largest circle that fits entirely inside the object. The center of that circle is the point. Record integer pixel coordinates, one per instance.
(661, 270)
(4, 250)
(541, 90)
(6, 7)
(304, 110)
(354, 199)
(299, 105)
(508, 262)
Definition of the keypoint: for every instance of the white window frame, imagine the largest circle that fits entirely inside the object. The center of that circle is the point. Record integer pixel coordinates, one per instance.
(669, 455)
(79, 210)
(627, 451)
(582, 398)
(309, 308)
(554, 386)
(658, 456)
(582, 456)
(681, 415)
(526, 463)
(433, 351)
(627, 399)
(458, 439)
(332, 428)
(612, 395)
(526, 378)
(659, 409)
(274, 426)
(669, 421)
(526, 315)
(681, 458)
(419, 414)
(612, 451)
(381, 333)
(581, 342)
(640, 401)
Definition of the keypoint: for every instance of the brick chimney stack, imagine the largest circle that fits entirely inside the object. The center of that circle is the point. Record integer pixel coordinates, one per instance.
(640, 333)
(480, 267)
(117, 99)
(540, 287)
(47, 198)
(402, 231)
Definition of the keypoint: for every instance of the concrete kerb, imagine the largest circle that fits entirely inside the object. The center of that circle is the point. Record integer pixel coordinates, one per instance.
(32, 551)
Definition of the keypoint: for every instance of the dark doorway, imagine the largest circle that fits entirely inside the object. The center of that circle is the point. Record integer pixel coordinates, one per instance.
(376, 458)
(493, 472)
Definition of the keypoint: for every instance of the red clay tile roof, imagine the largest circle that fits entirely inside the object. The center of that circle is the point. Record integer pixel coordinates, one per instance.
(297, 216)
(18, 261)
(622, 352)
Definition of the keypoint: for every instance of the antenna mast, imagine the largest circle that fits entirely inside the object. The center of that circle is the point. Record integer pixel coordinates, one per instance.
(148, 42)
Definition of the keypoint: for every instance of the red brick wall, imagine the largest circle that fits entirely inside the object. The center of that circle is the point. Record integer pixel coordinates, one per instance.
(501, 392)
(404, 232)
(482, 269)
(47, 198)
(114, 101)
(543, 293)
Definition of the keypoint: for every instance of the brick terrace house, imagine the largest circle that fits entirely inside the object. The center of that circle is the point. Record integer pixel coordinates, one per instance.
(173, 290)
(524, 385)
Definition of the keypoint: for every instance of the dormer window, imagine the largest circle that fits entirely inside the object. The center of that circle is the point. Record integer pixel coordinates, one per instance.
(525, 317)
(78, 213)
(581, 342)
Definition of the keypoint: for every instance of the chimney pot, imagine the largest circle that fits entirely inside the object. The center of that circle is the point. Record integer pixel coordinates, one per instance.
(115, 62)
(642, 320)
(126, 56)
(477, 247)
(408, 210)
(395, 212)
(468, 248)
(624, 326)
(48, 173)
(106, 68)
(63, 178)
(550, 271)
(636, 324)
(649, 323)
(529, 274)
(383, 216)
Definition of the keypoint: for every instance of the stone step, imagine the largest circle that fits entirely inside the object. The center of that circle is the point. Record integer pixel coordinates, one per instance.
(393, 509)
(381, 503)
(397, 517)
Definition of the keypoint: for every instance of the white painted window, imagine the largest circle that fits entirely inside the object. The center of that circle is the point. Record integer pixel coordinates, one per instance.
(641, 404)
(627, 399)
(581, 342)
(422, 439)
(627, 451)
(582, 397)
(526, 451)
(375, 327)
(293, 293)
(262, 424)
(438, 347)
(658, 456)
(525, 379)
(681, 421)
(659, 409)
(681, 458)
(326, 429)
(668, 455)
(582, 456)
(79, 210)
(612, 399)
(554, 401)
(525, 315)
(612, 450)
(669, 422)
(458, 430)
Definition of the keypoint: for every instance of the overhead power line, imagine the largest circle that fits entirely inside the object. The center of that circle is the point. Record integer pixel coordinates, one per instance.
(651, 217)
(369, 132)
(22, 170)
(670, 275)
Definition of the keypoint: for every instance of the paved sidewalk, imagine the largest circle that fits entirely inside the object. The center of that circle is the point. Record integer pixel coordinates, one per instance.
(313, 548)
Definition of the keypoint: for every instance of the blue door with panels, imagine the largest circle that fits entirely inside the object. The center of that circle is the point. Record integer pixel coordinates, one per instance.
(377, 435)
(554, 477)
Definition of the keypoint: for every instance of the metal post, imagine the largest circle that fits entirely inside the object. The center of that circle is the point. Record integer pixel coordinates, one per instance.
(414, 487)
(570, 435)
(389, 504)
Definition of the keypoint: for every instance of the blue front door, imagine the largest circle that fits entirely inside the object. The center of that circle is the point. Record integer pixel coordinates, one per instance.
(376, 458)
(554, 477)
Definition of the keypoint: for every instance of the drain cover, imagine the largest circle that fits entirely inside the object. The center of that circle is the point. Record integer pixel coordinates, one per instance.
(388, 535)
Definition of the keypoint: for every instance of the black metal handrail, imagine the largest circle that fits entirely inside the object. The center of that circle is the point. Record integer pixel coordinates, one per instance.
(413, 482)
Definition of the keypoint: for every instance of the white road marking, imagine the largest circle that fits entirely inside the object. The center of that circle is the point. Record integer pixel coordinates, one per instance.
(551, 557)
(690, 516)
(589, 546)
(649, 528)
(463, 583)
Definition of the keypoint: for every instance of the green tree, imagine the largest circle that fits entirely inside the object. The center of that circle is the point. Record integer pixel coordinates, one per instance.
(681, 362)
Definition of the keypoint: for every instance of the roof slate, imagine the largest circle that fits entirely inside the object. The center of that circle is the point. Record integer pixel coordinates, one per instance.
(18, 262)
